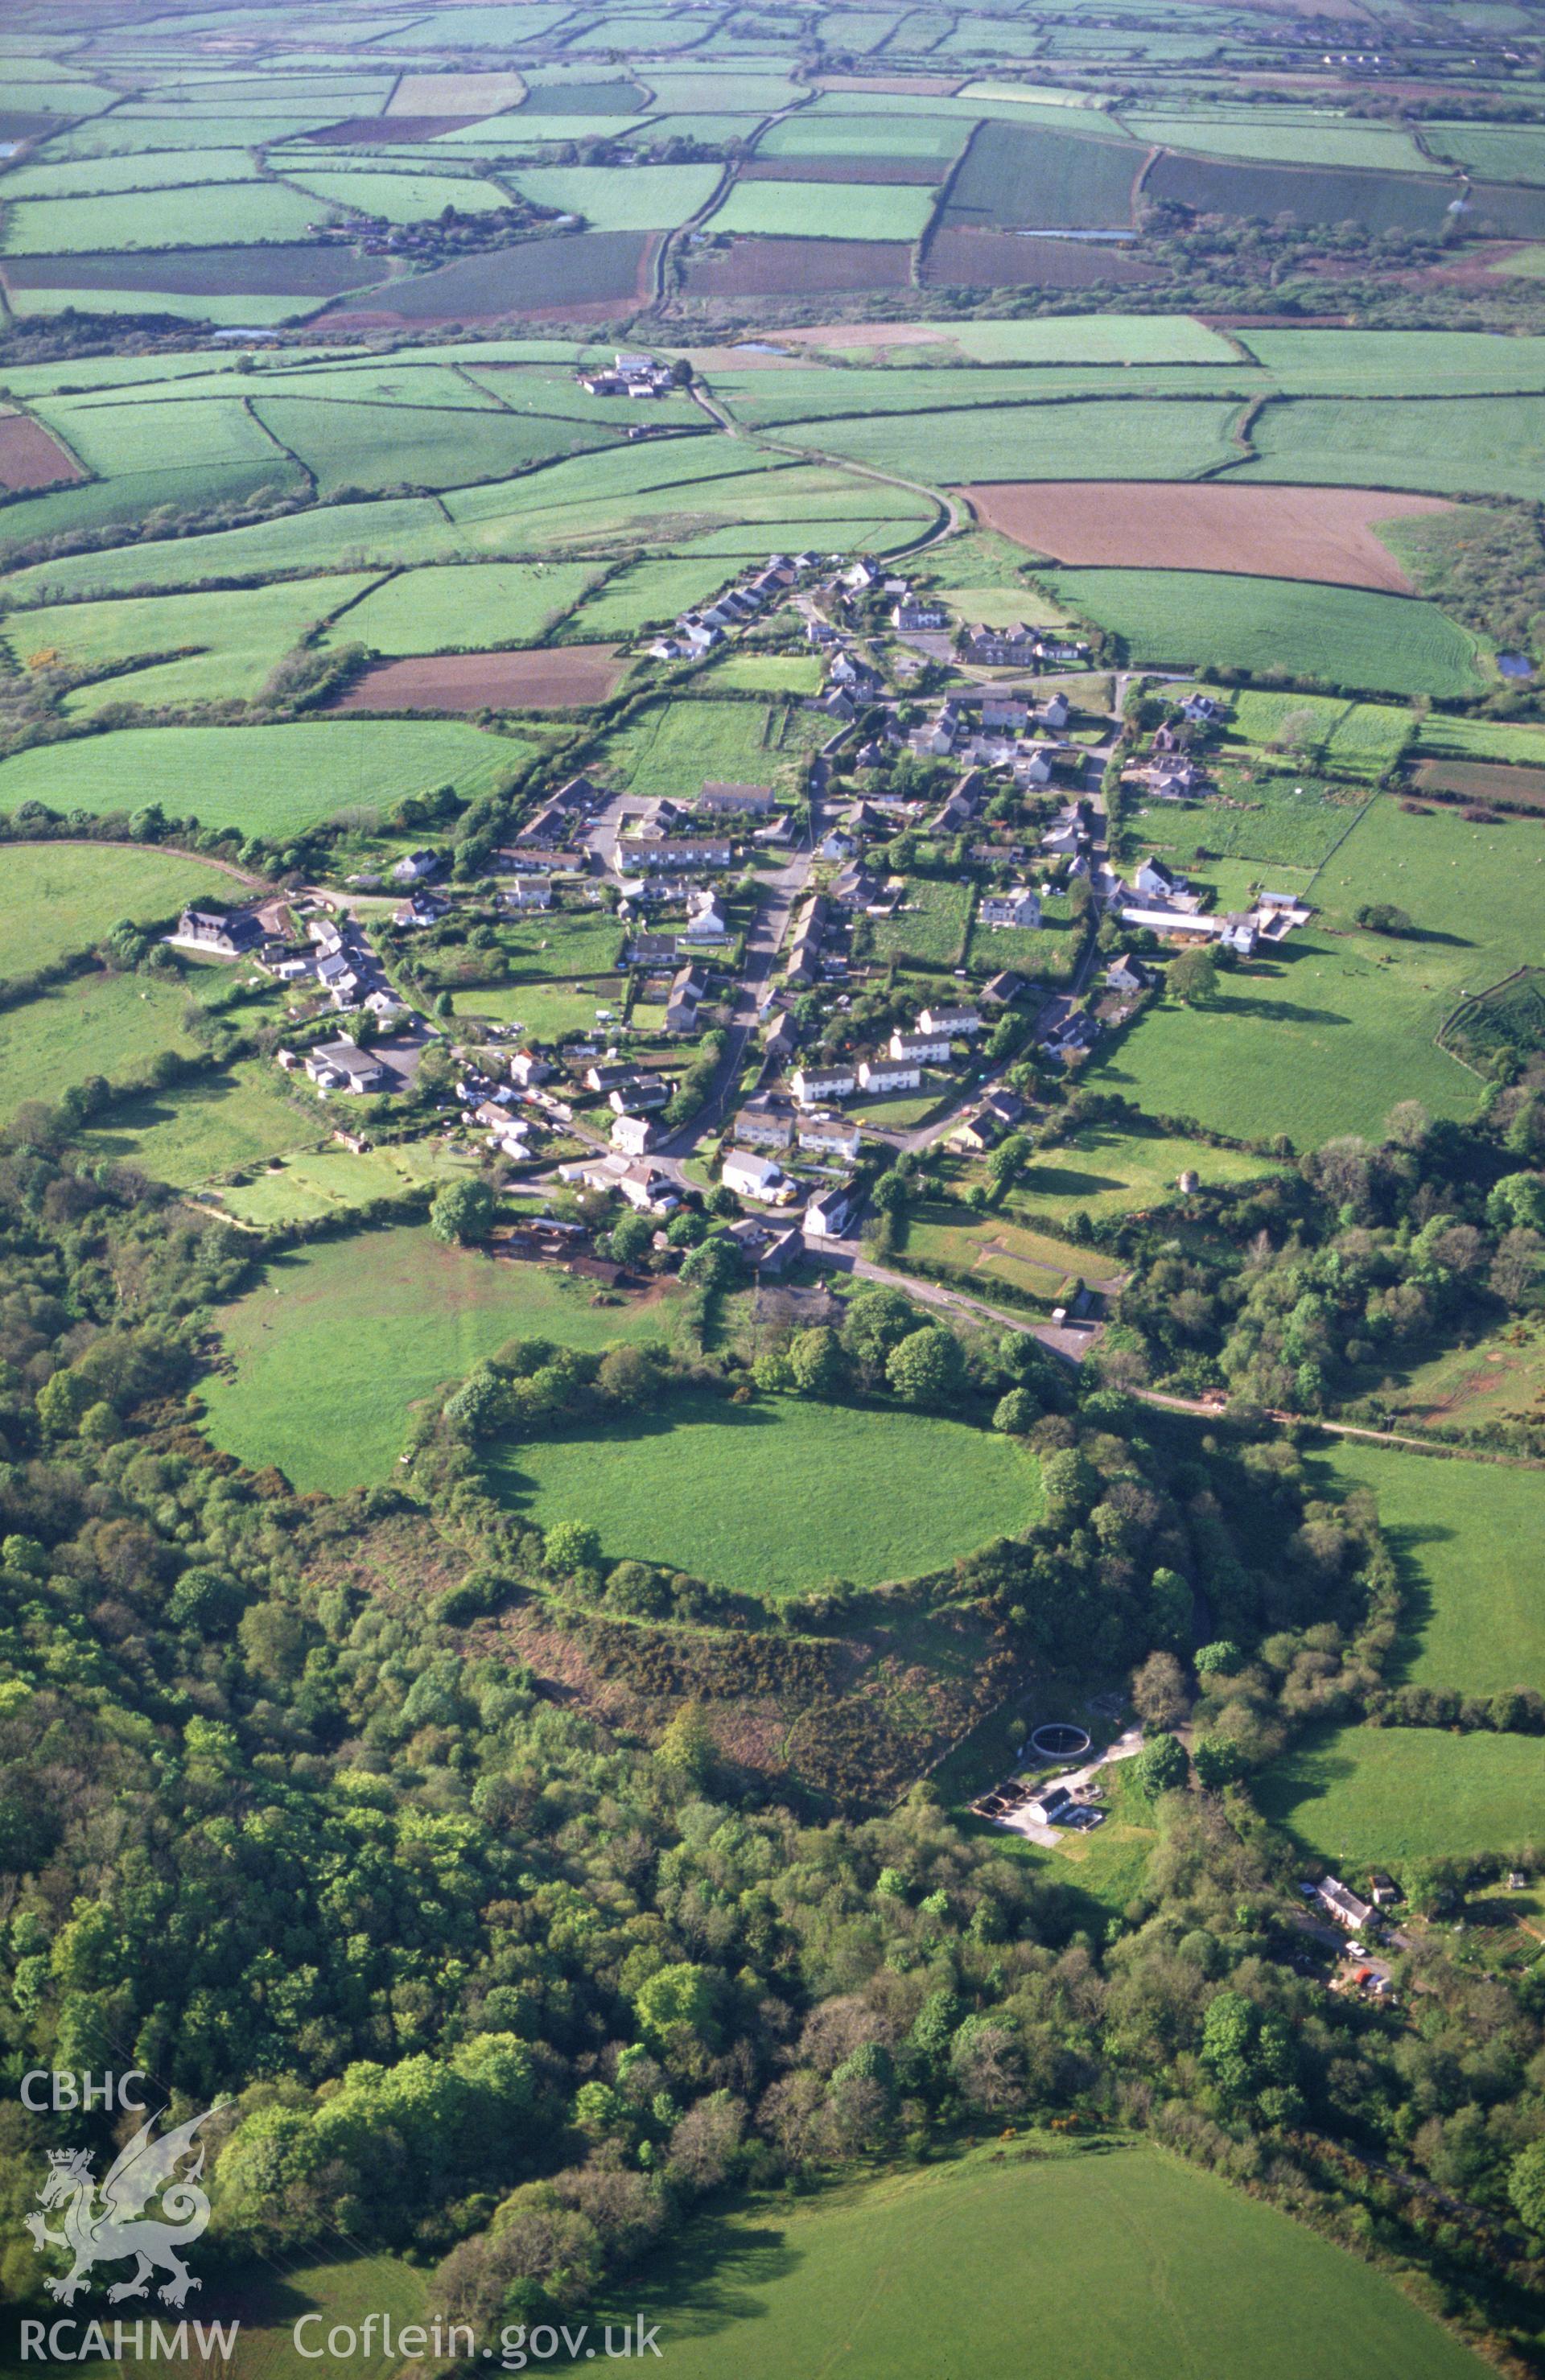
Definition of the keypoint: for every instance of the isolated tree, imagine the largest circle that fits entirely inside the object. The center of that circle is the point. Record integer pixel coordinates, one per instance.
(928, 1367)
(1193, 977)
(462, 1214)
(570, 1545)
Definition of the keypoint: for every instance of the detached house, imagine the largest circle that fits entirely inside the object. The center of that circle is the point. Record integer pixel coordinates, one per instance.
(1018, 906)
(228, 937)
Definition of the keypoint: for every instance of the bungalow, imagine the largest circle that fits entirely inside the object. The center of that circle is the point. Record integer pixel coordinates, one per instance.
(920, 1049)
(830, 1213)
(855, 888)
(950, 1022)
(783, 1037)
(1017, 906)
(648, 950)
(885, 1075)
(1344, 1905)
(765, 1122)
(1073, 1036)
(415, 866)
(419, 909)
(837, 705)
(830, 1136)
(1005, 1107)
(229, 936)
(528, 893)
(634, 1134)
(1000, 990)
(1202, 710)
(751, 1176)
(976, 1133)
(340, 1066)
(733, 800)
(603, 1077)
(813, 1086)
(1049, 1806)
(706, 921)
(689, 989)
(643, 1096)
(647, 1190)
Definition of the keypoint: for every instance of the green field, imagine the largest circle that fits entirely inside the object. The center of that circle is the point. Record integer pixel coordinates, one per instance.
(1347, 635)
(64, 896)
(773, 1496)
(1179, 2277)
(397, 447)
(1107, 1171)
(647, 593)
(1045, 179)
(269, 781)
(1469, 1539)
(337, 1344)
(1139, 439)
(464, 607)
(799, 210)
(306, 1183)
(231, 212)
(929, 925)
(401, 197)
(204, 1127)
(1448, 446)
(1365, 1796)
(1288, 821)
(672, 748)
(97, 1024)
(1281, 133)
(229, 643)
(650, 198)
(1356, 739)
(1327, 1035)
(391, 530)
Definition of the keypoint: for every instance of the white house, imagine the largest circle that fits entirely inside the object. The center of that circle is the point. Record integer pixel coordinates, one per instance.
(952, 1023)
(812, 1086)
(415, 866)
(830, 1136)
(648, 1190)
(527, 1069)
(920, 1049)
(634, 1134)
(1054, 712)
(1158, 882)
(890, 1074)
(1017, 906)
(829, 1213)
(706, 921)
(752, 1176)
(528, 893)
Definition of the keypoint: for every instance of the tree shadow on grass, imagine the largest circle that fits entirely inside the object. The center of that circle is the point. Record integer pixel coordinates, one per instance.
(624, 1430)
(716, 2275)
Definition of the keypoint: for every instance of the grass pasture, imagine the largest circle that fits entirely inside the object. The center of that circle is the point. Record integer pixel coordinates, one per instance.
(227, 644)
(97, 1024)
(269, 781)
(1326, 1035)
(1178, 2275)
(1448, 446)
(464, 607)
(337, 1343)
(64, 896)
(1369, 1796)
(882, 210)
(208, 1125)
(1156, 440)
(1345, 636)
(1106, 1171)
(1037, 179)
(703, 1486)
(674, 745)
(230, 211)
(377, 448)
(1470, 1540)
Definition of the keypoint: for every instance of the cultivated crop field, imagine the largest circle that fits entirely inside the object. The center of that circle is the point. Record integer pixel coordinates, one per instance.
(1180, 2275)
(1345, 636)
(544, 678)
(1321, 533)
(702, 1486)
(337, 1344)
(1375, 1796)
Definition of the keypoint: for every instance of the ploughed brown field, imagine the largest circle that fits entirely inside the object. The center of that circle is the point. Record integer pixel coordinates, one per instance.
(769, 268)
(287, 269)
(1483, 781)
(1323, 533)
(562, 678)
(356, 130)
(972, 257)
(30, 457)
